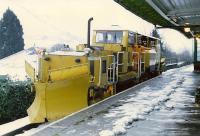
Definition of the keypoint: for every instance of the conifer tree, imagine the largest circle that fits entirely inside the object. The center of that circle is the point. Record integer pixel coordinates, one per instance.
(11, 34)
(155, 33)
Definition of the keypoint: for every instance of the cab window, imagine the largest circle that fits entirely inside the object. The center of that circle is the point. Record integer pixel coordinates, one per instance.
(109, 37)
(131, 38)
(119, 36)
(101, 37)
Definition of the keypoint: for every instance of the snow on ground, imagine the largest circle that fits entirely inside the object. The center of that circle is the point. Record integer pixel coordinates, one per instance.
(134, 110)
(8, 127)
(147, 100)
(14, 65)
(11, 126)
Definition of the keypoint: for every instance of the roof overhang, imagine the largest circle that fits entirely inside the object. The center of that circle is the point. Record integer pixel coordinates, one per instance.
(176, 14)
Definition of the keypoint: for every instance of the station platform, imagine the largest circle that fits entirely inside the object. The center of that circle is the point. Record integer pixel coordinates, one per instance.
(161, 106)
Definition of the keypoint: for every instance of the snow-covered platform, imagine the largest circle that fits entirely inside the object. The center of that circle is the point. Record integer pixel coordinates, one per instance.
(161, 106)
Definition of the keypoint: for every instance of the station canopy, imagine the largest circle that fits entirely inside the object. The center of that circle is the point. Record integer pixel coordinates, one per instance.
(182, 15)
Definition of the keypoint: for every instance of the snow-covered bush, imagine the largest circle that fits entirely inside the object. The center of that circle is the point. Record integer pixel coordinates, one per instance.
(15, 98)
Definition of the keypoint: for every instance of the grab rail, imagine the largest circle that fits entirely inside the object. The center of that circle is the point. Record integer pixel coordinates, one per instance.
(112, 69)
(142, 60)
(119, 64)
(136, 63)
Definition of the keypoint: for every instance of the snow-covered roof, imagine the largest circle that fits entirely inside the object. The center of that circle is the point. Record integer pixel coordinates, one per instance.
(68, 53)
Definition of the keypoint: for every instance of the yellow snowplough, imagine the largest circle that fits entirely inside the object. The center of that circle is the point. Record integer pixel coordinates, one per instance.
(67, 81)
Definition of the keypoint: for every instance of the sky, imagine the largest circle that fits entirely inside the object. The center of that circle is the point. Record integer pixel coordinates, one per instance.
(48, 22)
(176, 40)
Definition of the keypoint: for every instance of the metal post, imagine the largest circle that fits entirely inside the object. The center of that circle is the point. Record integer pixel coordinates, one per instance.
(195, 50)
(100, 70)
(196, 61)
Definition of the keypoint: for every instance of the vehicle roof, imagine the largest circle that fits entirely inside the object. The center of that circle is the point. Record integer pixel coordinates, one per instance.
(119, 29)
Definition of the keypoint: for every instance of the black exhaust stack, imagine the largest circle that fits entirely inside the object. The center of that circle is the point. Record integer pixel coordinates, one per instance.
(88, 34)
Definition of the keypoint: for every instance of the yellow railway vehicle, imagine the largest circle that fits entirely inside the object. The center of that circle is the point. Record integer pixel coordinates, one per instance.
(67, 81)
